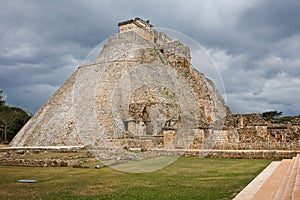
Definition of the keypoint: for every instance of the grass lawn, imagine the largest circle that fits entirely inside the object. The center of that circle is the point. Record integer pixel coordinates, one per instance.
(187, 178)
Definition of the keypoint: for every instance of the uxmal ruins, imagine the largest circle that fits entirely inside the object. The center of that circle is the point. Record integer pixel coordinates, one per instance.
(143, 93)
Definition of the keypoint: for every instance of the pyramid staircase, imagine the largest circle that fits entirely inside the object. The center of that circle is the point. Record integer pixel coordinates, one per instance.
(279, 181)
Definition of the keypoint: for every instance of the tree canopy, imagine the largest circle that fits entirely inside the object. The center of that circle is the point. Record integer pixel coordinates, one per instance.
(275, 116)
(12, 119)
(271, 114)
(2, 102)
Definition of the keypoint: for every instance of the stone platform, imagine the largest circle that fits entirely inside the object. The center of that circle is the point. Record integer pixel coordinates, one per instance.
(208, 153)
(279, 181)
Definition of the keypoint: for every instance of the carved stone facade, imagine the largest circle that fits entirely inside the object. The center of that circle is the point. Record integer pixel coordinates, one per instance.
(256, 133)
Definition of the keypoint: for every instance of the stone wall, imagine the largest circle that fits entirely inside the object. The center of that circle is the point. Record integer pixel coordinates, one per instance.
(38, 157)
(38, 163)
(256, 133)
(139, 26)
(236, 154)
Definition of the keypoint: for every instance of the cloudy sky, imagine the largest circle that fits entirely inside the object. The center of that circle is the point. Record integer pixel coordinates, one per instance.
(254, 44)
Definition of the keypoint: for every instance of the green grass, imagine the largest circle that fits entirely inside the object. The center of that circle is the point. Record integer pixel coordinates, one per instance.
(142, 166)
(187, 178)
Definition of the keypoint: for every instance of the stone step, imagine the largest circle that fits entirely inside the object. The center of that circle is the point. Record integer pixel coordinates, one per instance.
(285, 179)
(296, 188)
(249, 191)
(273, 183)
(280, 180)
(287, 194)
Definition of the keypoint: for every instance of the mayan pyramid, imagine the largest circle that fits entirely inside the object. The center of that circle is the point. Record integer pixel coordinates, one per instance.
(140, 92)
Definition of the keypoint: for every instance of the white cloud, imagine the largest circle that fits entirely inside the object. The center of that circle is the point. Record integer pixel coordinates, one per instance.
(254, 90)
(20, 50)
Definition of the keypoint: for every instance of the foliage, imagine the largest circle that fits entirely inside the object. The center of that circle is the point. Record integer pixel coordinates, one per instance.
(187, 178)
(271, 114)
(2, 102)
(286, 118)
(274, 116)
(12, 119)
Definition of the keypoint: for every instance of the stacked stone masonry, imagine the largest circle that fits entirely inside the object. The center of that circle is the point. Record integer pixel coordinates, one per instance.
(142, 92)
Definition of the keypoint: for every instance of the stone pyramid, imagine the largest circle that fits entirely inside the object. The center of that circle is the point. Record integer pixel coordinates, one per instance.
(141, 92)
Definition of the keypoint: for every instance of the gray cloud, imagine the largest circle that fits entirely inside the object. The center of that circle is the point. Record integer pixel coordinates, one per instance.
(271, 20)
(255, 44)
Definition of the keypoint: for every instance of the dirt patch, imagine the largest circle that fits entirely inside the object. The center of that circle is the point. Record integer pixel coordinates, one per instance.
(3, 145)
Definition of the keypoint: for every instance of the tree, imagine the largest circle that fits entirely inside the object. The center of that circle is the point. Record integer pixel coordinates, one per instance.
(21, 120)
(287, 118)
(11, 121)
(271, 114)
(7, 117)
(2, 102)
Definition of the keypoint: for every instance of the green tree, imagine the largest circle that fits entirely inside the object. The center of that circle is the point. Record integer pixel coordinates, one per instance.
(287, 118)
(271, 114)
(12, 119)
(2, 102)
(21, 120)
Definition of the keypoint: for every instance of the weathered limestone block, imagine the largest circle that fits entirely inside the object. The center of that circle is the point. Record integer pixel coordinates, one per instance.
(169, 139)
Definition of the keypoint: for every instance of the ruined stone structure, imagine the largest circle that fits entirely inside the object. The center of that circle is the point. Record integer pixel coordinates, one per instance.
(256, 133)
(143, 93)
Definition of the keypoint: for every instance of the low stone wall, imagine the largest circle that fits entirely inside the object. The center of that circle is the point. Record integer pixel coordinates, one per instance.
(274, 155)
(237, 154)
(258, 146)
(66, 156)
(38, 162)
(76, 160)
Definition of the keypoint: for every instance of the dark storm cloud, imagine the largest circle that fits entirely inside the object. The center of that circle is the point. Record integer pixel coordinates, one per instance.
(255, 44)
(271, 20)
(43, 42)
